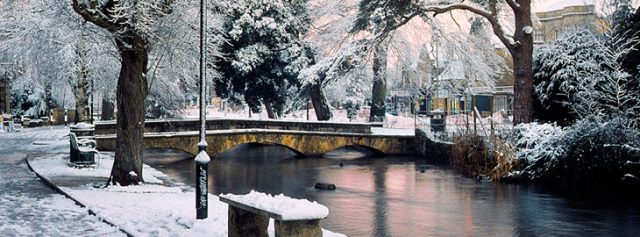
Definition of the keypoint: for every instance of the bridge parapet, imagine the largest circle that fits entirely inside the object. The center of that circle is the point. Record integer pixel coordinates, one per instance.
(184, 125)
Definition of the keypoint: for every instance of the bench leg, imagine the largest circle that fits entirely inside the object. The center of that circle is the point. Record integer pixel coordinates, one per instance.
(244, 223)
(308, 228)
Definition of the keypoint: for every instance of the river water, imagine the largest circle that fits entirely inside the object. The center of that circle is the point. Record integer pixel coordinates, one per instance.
(404, 196)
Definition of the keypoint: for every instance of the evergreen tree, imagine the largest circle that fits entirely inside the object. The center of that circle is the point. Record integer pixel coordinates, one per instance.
(625, 33)
(262, 56)
(578, 75)
(354, 97)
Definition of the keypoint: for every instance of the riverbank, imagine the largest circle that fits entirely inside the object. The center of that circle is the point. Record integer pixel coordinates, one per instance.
(159, 207)
(594, 154)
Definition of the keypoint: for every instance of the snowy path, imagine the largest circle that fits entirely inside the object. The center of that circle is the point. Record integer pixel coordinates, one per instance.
(27, 206)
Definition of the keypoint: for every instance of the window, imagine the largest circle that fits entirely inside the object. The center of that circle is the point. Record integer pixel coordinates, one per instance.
(556, 33)
(538, 36)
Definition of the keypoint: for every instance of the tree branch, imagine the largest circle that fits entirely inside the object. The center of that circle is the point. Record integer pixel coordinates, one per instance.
(94, 14)
(491, 16)
(438, 10)
(405, 20)
(515, 6)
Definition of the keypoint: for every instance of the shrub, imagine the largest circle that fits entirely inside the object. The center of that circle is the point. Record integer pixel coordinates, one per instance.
(504, 154)
(593, 152)
(470, 156)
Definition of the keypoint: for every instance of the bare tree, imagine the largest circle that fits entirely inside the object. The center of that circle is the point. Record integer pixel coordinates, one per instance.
(54, 47)
(385, 16)
(519, 43)
(143, 30)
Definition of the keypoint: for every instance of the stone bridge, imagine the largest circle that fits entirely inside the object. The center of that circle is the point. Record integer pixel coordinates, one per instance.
(307, 143)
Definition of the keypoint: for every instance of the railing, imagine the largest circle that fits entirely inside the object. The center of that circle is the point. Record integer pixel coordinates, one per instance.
(464, 124)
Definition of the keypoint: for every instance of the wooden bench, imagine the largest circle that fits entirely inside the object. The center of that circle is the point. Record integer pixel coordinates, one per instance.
(82, 151)
(292, 217)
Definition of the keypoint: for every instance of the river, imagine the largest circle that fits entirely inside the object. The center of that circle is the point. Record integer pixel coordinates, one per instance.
(405, 196)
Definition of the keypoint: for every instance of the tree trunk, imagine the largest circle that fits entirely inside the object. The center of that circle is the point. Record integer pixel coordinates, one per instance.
(130, 95)
(49, 98)
(320, 105)
(269, 108)
(82, 100)
(108, 108)
(522, 67)
(379, 90)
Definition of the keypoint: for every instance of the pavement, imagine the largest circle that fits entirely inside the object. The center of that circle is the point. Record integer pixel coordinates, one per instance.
(28, 207)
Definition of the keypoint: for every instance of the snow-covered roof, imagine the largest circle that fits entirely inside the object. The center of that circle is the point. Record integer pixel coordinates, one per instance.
(553, 5)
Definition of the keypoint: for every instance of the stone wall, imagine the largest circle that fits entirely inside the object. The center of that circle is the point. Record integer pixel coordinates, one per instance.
(431, 149)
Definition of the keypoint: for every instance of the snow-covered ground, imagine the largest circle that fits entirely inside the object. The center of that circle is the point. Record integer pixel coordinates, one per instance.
(50, 133)
(27, 206)
(144, 210)
(150, 209)
(29, 214)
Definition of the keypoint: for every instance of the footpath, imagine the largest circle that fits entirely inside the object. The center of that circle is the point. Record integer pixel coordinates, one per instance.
(28, 207)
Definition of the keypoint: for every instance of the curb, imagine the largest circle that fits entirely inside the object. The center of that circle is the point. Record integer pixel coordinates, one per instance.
(51, 185)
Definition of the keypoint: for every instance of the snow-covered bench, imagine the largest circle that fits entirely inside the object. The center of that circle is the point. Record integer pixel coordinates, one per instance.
(82, 151)
(249, 215)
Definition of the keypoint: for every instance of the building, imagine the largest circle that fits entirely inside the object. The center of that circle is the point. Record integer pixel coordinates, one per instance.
(560, 16)
(444, 89)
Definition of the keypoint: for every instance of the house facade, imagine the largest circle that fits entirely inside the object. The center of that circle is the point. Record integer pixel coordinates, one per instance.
(553, 21)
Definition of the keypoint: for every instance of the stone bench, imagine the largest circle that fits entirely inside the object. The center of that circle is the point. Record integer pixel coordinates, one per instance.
(249, 215)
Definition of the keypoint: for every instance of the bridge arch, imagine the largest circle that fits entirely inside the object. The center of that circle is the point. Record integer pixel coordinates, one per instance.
(296, 152)
(359, 147)
(182, 149)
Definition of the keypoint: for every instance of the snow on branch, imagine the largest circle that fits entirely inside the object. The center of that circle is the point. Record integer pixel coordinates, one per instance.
(458, 6)
(124, 17)
(490, 15)
(99, 15)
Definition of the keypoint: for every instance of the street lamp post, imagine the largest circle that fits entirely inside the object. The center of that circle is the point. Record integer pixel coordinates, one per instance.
(91, 109)
(202, 159)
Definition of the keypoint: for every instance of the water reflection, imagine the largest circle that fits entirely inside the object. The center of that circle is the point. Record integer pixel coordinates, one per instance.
(402, 196)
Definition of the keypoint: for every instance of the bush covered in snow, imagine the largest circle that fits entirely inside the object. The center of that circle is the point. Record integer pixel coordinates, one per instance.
(595, 151)
(580, 75)
(538, 145)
